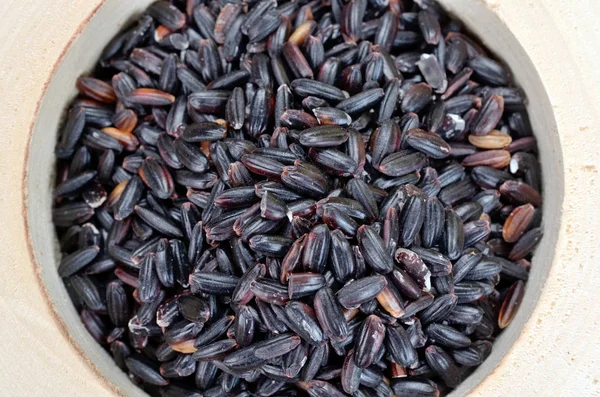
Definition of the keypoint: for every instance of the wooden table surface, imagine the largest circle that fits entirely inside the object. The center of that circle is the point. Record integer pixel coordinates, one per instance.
(559, 351)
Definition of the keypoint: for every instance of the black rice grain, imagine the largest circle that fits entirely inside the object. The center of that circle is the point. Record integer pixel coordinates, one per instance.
(297, 198)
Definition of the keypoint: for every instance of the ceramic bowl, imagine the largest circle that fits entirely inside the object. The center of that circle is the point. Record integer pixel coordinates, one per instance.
(80, 57)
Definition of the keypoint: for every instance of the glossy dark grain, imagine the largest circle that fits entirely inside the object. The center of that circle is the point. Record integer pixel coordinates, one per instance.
(297, 198)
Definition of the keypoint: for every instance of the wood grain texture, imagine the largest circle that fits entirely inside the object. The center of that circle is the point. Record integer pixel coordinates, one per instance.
(557, 354)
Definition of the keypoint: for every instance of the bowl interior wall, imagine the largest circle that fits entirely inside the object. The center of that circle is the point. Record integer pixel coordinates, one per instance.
(113, 15)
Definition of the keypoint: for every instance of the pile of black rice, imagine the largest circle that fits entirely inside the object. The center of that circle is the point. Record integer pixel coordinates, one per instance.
(277, 199)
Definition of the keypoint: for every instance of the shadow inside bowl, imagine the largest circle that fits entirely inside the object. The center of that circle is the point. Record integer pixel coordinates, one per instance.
(81, 58)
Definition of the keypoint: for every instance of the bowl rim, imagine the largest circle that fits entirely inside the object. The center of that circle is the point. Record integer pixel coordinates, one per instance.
(127, 388)
(67, 330)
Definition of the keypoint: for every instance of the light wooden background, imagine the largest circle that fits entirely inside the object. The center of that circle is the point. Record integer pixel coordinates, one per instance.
(559, 352)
